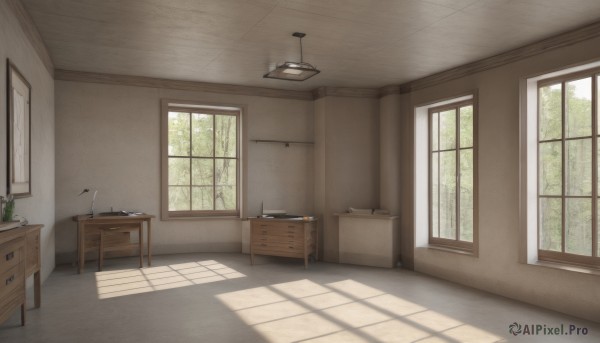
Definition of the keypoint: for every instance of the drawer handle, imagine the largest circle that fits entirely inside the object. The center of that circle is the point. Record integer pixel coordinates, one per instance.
(264, 225)
(263, 244)
(291, 246)
(264, 231)
(10, 256)
(10, 280)
(291, 227)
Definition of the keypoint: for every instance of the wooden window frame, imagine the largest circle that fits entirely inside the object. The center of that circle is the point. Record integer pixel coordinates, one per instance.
(455, 244)
(564, 257)
(204, 108)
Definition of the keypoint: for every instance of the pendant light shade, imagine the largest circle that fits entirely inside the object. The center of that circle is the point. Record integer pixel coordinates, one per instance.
(293, 71)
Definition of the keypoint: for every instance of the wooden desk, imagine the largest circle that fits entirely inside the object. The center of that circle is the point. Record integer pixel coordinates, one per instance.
(84, 221)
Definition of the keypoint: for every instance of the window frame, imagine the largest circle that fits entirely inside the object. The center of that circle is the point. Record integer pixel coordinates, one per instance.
(564, 257)
(455, 244)
(204, 108)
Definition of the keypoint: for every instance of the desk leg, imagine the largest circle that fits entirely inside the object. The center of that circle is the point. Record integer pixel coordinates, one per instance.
(81, 246)
(141, 239)
(37, 289)
(149, 242)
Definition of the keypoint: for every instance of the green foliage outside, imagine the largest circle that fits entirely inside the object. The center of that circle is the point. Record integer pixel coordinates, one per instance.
(202, 162)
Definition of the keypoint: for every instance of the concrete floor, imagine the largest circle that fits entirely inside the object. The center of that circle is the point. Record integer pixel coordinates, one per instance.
(214, 297)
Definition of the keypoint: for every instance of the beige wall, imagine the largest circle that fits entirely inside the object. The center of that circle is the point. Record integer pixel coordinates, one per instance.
(108, 139)
(347, 162)
(39, 208)
(497, 268)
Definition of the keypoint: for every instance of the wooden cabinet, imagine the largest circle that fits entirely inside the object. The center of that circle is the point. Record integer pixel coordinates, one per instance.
(283, 237)
(19, 258)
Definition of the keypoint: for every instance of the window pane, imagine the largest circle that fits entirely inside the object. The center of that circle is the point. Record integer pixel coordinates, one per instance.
(435, 225)
(550, 111)
(202, 179)
(550, 224)
(448, 129)
(550, 172)
(434, 131)
(225, 136)
(225, 172)
(579, 108)
(578, 226)
(225, 198)
(466, 195)
(179, 171)
(202, 171)
(179, 134)
(202, 135)
(579, 167)
(448, 194)
(466, 126)
(202, 198)
(179, 198)
(225, 181)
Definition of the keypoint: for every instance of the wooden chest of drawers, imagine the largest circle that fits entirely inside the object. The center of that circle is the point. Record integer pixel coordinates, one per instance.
(19, 258)
(281, 237)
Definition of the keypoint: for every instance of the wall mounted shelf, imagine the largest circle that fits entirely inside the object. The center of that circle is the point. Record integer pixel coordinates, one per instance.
(287, 143)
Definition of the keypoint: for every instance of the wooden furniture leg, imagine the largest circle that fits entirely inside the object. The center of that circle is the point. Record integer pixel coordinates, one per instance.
(141, 243)
(149, 228)
(101, 251)
(23, 314)
(37, 289)
(81, 244)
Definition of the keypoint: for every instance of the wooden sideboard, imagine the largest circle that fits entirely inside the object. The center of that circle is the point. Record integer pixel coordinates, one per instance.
(19, 258)
(284, 237)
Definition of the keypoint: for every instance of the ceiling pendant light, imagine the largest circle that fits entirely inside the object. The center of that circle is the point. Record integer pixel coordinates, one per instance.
(293, 71)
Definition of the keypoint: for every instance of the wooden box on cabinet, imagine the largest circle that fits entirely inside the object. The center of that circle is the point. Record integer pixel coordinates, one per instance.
(19, 258)
(284, 237)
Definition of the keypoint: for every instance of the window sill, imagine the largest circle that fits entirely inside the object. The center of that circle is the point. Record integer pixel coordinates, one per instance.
(566, 267)
(451, 250)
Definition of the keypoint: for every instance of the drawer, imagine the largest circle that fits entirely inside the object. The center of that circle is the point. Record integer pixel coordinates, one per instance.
(279, 231)
(11, 254)
(277, 246)
(11, 280)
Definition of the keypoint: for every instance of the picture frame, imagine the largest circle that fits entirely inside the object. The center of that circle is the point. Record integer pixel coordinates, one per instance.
(18, 133)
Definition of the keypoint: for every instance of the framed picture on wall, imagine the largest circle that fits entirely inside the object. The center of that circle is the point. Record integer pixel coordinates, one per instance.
(19, 133)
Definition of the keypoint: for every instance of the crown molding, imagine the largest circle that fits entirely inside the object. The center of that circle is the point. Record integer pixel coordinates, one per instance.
(564, 39)
(32, 33)
(142, 81)
(345, 92)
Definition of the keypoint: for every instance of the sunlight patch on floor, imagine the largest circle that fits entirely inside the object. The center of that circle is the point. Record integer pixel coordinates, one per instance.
(344, 311)
(116, 283)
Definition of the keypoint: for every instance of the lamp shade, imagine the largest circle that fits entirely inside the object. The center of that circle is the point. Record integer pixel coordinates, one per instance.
(293, 71)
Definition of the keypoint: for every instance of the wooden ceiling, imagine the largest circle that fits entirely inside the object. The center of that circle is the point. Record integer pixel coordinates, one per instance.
(355, 43)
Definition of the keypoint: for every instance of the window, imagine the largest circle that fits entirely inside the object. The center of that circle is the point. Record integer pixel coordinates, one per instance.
(452, 175)
(567, 169)
(200, 161)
